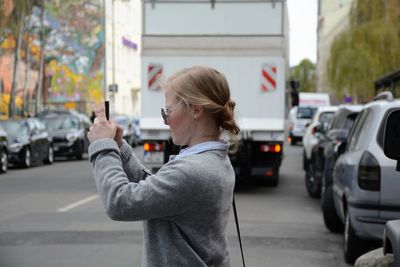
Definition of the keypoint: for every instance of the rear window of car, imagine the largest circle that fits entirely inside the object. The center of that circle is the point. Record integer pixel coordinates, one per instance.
(305, 112)
(356, 139)
(326, 117)
(380, 137)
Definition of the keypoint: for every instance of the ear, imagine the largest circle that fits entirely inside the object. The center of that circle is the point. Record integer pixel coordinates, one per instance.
(197, 111)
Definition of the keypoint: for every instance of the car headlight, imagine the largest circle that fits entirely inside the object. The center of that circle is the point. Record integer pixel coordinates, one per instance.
(71, 137)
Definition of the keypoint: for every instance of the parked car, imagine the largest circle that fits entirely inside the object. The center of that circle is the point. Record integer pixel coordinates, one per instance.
(130, 128)
(69, 133)
(321, 119)
(389, 254)
(365, 182)
(299, 117)
(324, 153)
(325, 157)
(56, 111)
(136, 126)
(3, 151)
(28, 142)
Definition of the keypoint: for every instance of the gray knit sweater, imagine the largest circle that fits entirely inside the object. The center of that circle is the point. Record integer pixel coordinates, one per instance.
(185, 205)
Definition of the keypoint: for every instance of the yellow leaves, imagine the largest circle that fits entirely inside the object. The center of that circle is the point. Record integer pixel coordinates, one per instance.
(9, 43)
(70, 105)
(4, 102)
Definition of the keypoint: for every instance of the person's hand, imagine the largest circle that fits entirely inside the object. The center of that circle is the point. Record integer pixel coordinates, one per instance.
(102, 128)
(119, 135)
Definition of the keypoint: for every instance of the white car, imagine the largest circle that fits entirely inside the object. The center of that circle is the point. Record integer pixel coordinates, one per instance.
(299, 117)
(322, 118)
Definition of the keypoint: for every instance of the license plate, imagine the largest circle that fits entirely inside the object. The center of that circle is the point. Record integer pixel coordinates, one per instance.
(153, 157)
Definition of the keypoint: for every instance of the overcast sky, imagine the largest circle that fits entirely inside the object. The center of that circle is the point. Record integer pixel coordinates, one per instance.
(303, 30)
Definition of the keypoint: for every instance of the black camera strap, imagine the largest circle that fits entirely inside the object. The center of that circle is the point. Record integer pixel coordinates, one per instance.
(237, 228)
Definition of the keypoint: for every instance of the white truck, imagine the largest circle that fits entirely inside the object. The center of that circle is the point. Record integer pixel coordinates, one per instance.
(245, 40)
(300, 116)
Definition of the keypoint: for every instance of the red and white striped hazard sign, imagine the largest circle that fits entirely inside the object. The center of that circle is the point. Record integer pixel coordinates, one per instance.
(154, 73)
(268, 77)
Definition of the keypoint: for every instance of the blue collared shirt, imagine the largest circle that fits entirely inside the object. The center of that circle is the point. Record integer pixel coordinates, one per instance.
(202, 147)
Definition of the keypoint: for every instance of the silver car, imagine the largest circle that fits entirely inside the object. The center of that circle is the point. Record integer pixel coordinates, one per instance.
(366, 186)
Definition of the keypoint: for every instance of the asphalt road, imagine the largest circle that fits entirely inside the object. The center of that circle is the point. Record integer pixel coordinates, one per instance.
(51, 216)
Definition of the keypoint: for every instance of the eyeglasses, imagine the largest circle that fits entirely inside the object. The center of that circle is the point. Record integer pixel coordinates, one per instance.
(165, 112)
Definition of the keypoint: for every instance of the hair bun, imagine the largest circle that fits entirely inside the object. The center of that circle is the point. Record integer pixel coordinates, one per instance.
(230, 105)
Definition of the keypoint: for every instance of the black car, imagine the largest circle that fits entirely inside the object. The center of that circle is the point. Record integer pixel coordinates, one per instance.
(28, 142)
(3, 151)
(324, 154)
(69, 133)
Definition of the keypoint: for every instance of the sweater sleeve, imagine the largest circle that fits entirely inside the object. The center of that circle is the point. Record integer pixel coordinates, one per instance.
(132, 166)
(168, 193)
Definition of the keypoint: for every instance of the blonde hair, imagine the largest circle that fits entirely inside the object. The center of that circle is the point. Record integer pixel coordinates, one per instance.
(206, 87)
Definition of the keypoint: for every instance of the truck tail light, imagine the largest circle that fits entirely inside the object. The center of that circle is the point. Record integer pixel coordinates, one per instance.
(274, 148)
(369, 173)
(150, 147)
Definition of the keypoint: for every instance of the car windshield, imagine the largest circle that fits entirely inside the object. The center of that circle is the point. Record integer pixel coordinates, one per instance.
(305, 112)
(15, 128)
(61, 123)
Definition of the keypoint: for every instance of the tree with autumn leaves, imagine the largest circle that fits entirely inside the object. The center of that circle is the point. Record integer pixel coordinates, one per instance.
(367, 50)
(14, 33)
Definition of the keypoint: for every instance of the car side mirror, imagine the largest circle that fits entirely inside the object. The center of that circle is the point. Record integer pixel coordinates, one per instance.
(391, 140)
(320, 128)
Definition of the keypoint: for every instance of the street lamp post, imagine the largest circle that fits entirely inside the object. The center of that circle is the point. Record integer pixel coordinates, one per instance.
(113, 87)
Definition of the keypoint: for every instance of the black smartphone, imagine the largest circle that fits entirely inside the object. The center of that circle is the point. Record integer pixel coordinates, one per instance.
(107, 107)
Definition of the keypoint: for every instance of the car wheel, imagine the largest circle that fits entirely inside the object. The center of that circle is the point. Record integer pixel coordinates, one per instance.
(353, 246)
(50, 156)
(27, 158)
(3, 162)
(79, 151)
(313, 188)
(331, 219)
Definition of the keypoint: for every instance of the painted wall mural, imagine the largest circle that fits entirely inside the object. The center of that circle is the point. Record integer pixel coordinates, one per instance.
(74, 53)
(75, 50)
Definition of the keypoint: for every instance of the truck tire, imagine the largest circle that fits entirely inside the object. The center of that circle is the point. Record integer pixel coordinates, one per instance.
(275, 178)
(293, 141)
(312, 186)
(331, 219)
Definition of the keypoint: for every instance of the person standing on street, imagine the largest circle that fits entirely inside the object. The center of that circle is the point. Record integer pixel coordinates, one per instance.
(185, 206)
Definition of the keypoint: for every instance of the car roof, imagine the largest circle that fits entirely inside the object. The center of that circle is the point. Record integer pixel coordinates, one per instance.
(327, 109)
(383, 104)
(351, 107)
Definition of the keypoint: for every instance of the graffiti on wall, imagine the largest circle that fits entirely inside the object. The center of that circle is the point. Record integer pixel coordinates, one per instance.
(75, 50)
(73, 55)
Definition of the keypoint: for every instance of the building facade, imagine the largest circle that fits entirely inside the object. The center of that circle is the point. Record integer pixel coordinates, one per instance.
(333, 18)
(123, 46)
